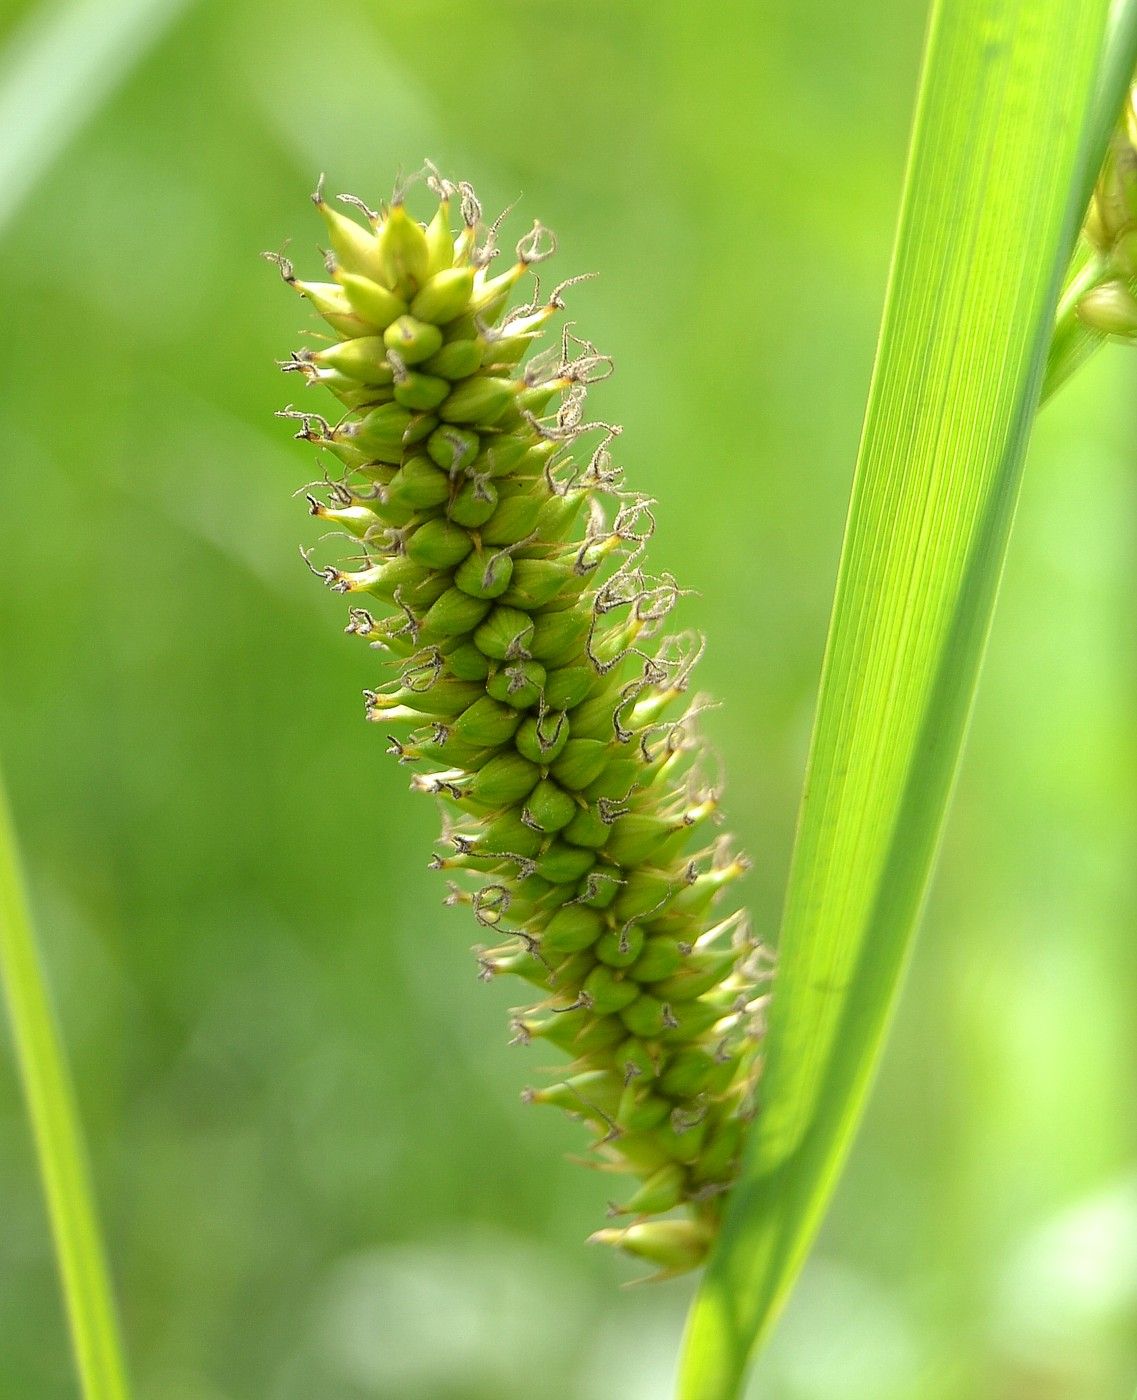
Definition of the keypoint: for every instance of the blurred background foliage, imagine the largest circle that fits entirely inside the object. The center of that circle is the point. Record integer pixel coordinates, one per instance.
(316, 1175)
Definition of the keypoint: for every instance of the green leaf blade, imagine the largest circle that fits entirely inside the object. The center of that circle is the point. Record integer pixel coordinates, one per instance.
(57, 1133)
(1005, 131)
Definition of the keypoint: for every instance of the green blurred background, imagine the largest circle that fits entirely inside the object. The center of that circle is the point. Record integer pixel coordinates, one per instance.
(317, 1178)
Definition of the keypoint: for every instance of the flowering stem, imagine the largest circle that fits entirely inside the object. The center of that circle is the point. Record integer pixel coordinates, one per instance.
(58, 1138)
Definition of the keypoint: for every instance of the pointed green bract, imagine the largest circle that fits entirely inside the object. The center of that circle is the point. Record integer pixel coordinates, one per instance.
(994, 195)
(538, 698)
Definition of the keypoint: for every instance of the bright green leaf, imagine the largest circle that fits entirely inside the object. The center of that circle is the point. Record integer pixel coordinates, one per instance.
(1009, 129)
(57, 1132)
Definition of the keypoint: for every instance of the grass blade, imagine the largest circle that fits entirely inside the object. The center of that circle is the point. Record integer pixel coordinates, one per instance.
(57, 70)
(58, 1138)
(1007, 128)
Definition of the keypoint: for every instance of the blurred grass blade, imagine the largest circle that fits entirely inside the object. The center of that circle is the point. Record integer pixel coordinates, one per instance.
(56, 71)
(1006, 127)
(58, 1138)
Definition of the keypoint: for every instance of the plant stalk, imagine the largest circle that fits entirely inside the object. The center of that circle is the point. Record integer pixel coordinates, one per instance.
(58, 1137)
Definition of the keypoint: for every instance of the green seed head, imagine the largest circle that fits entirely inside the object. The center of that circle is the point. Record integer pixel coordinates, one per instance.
(526, 652)
(1110, 308)
(1109, 305)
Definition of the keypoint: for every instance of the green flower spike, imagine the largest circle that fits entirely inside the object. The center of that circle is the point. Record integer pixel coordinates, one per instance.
(1099, 301)
(544, 705)
(1105, 293)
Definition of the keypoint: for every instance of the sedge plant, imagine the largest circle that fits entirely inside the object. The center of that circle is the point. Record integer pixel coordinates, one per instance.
(536, 693)
(540, 702)
(497, 566)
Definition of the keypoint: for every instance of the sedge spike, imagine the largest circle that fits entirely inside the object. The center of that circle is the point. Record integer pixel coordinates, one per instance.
(1108, 304)
(535, 692)
(1099, 302)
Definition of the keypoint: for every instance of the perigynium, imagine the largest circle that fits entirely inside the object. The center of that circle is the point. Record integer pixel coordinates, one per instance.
(1108, 304)
(537, 693)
